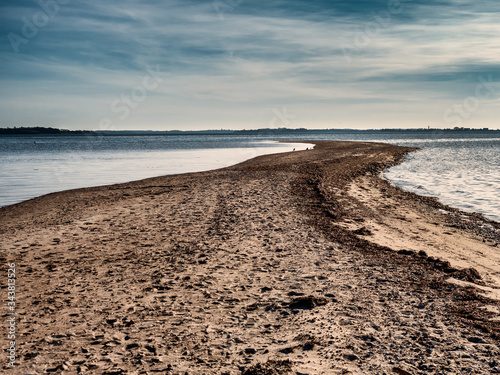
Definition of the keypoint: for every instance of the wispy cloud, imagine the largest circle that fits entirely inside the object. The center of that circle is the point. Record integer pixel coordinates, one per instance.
(233, 72)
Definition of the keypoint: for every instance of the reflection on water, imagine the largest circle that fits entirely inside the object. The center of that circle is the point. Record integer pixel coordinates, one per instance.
(462, 174)
(29, 169)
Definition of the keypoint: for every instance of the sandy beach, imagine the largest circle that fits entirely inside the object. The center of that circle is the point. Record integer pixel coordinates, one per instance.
(298, 263)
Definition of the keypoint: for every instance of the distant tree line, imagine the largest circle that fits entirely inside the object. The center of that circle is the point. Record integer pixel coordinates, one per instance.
(41, 130)
(268, 131)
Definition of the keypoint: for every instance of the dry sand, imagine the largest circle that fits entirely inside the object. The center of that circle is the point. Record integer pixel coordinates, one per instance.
(299, 263)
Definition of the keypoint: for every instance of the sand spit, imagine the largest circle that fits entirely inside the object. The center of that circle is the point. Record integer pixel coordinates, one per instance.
(297, 263)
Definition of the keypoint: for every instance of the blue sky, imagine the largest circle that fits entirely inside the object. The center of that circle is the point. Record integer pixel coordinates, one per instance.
(238, 64)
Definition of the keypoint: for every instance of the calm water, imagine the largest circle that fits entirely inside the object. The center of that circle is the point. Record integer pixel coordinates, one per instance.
(460, 173)
(34, 166)
(460, 169)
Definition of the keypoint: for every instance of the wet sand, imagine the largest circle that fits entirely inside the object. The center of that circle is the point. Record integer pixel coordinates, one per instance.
(299, 263)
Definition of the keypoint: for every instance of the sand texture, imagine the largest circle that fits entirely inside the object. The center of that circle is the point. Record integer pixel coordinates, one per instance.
(298, 263)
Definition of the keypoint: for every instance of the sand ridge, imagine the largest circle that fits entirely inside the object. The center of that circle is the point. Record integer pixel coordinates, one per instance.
(403, 227)
(249, 269)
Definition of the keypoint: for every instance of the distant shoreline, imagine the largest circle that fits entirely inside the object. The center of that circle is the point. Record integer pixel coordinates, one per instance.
(42, 131)
(30, 131)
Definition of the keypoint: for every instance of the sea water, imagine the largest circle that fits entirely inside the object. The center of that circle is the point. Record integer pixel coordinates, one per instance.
(461, 169)
(32, 166)
(462, 173)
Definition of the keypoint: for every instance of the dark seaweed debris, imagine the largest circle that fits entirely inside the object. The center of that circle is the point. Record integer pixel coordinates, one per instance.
(307, 303)
(271, 367)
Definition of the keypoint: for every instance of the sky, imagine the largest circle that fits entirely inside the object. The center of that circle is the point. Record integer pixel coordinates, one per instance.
(247, 64)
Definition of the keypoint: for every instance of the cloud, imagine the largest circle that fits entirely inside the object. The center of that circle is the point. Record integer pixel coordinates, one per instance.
(325, 59)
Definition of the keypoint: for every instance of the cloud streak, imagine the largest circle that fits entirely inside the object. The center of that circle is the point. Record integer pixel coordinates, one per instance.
(231, 73)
